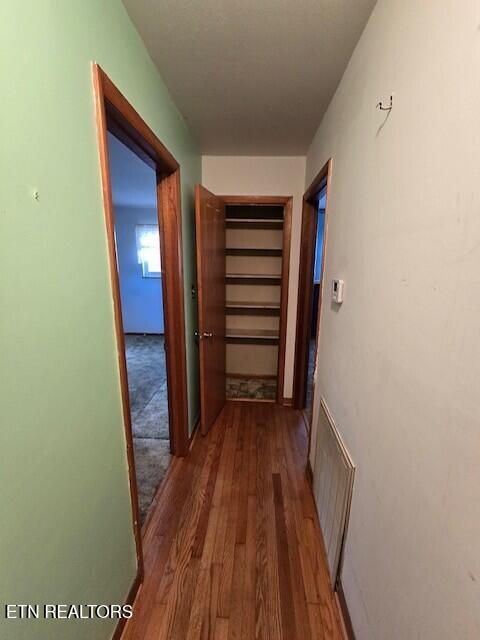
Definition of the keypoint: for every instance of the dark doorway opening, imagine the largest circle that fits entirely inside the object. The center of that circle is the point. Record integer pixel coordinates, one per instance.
(315, 285)
(311, 284)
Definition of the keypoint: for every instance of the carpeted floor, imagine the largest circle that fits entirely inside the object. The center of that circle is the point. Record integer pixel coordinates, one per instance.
(254, 389)
(311, 368)
(147, 384)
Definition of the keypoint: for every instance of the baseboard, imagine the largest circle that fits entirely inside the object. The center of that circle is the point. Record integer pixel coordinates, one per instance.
(287, 402)
(131, 597)
(343, 612)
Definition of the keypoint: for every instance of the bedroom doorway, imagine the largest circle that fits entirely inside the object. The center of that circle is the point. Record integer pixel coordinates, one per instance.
(118, 119)
(315, 286)
(311, 282)
(139, 263)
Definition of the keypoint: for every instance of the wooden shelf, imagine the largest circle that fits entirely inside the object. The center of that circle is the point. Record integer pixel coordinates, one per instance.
(238, 251)
(252, 336)
(252, 308)
(253, 223)
(251, 376)
(253, 278)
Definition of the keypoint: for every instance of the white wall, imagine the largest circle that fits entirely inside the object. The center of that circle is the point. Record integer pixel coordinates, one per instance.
(266, 176)
(399, 362)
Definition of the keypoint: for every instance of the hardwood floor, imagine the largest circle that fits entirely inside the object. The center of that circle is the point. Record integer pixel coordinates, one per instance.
(233, 548)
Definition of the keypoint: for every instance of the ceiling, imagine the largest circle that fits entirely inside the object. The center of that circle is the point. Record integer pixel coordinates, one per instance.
(251, 77)
(134, 183)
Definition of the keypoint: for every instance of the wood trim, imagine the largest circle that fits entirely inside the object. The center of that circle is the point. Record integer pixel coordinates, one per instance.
(126, 119)
(287, 234)
(114, 113)
(109, 222)
(307, 259)
(131, 597)
(344, 613)
(287, 402)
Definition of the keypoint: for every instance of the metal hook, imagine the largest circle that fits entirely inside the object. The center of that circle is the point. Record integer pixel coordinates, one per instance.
(384, 107)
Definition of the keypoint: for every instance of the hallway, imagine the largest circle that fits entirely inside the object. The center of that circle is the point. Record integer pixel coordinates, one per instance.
(241, 555)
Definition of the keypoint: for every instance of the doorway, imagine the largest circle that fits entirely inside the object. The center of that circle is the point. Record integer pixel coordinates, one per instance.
(311, 284)
(116, 116)
(315, 294)
(243, 255)
(139, 263)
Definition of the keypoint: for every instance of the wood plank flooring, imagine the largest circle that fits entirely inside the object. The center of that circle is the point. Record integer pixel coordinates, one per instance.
(233, 548)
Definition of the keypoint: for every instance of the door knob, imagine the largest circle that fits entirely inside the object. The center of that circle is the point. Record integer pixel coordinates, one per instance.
(202, 336)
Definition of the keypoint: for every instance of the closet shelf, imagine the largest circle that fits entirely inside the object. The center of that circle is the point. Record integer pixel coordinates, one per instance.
(252, 336)
(253, 223)
(253, 278)
(251, 376)
(238, 251)
(234, 308)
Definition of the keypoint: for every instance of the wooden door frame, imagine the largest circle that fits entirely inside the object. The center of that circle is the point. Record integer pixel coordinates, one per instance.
(115, 114)
(286, 202)
(305, 277)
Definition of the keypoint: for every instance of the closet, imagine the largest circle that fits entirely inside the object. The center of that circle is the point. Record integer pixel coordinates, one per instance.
(243, 254)
(253, 281)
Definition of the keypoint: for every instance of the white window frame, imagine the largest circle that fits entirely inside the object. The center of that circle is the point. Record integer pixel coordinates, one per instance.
(148, 249)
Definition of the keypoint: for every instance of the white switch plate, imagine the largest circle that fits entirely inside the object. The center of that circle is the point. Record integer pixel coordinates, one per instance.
(338, 287)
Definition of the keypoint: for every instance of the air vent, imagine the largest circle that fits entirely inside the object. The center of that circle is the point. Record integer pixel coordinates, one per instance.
(333, 486)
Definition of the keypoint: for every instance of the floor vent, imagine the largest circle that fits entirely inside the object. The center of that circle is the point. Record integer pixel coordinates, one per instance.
(333, 485)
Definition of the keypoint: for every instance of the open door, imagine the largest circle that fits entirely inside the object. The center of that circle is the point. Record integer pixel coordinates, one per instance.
(210, 235)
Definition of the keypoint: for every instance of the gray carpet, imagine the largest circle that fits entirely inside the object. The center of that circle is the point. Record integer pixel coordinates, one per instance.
(152, 458)
(147, 385)
(311, 369)
(252, 389)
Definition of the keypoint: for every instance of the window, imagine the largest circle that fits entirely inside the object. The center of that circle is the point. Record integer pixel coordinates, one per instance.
(148, 250)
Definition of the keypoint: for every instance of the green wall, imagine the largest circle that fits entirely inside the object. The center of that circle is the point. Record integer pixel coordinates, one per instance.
(66, 533)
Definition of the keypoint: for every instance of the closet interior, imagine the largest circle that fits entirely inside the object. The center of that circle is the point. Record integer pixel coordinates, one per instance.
(254, 261)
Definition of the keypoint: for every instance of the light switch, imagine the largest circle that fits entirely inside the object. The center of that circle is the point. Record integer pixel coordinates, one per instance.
(338, 287)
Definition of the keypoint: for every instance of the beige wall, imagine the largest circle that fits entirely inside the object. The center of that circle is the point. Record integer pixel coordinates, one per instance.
(399, 362)
(269, 176)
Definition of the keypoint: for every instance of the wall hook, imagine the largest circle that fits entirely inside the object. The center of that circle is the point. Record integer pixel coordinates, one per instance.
(385, 107)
